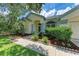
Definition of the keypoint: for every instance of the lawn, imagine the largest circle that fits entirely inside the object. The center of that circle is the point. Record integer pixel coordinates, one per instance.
(8, 48)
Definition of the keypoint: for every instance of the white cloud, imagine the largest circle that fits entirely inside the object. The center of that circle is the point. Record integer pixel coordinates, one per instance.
(48, 13)
(51, 12)
(62, 11)
(76, 4)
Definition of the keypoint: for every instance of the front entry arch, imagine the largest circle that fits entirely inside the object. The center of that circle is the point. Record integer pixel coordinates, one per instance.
(38, 27)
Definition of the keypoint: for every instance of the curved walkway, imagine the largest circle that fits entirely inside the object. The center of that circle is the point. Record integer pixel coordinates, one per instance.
(45, 49)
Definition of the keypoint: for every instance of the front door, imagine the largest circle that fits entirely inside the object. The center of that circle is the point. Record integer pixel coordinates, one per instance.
(39, 27)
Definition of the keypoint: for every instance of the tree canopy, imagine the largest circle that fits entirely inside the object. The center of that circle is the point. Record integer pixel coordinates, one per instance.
(10, 22)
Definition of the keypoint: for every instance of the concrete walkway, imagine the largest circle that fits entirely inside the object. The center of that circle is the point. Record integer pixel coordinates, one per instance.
(76, 42)
(45, 49)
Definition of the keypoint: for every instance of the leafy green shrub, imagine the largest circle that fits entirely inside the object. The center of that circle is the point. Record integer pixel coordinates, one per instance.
(35, 37)
(18, 28)
(61, 33)
(45, 39)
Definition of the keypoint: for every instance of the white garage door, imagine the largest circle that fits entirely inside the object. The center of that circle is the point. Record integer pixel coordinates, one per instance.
(75, 29)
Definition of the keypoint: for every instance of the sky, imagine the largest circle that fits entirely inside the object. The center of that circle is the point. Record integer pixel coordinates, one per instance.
(52, 9)
(49, 9)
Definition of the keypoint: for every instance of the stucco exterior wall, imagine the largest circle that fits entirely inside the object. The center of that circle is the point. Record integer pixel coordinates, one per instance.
(75, 29)
(34, 18)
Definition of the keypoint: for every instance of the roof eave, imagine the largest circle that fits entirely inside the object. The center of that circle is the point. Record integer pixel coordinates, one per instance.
(70, 11)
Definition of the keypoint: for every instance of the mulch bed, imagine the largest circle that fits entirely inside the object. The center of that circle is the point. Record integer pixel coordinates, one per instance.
(64, 44)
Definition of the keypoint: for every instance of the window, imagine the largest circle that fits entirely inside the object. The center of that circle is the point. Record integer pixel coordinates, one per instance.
(51, 23)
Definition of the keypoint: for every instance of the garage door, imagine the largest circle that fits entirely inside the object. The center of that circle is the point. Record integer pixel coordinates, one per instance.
(75, 29)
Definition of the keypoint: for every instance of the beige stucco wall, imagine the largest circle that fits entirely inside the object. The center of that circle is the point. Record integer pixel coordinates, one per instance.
(73, 21)
(38, 18)
(75, 29)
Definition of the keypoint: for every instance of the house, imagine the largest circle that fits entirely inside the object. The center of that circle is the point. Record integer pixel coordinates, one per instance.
(33, 23)
(37, 23)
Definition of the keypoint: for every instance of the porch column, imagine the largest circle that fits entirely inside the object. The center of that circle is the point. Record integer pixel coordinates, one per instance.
(32, 28)
(42, 27)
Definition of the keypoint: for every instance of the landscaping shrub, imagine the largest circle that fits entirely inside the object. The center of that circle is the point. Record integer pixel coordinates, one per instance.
(35, 37)
(45, 39)
(62, 33)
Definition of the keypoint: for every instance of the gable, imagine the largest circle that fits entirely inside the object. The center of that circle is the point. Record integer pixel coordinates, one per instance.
(33, 16)
(70, 11)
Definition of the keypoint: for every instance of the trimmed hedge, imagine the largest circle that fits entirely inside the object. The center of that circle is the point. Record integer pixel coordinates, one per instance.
(61, 33)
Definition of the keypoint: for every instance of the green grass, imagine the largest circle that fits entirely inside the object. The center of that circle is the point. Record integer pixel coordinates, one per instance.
(8, 48)
(4, 40)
